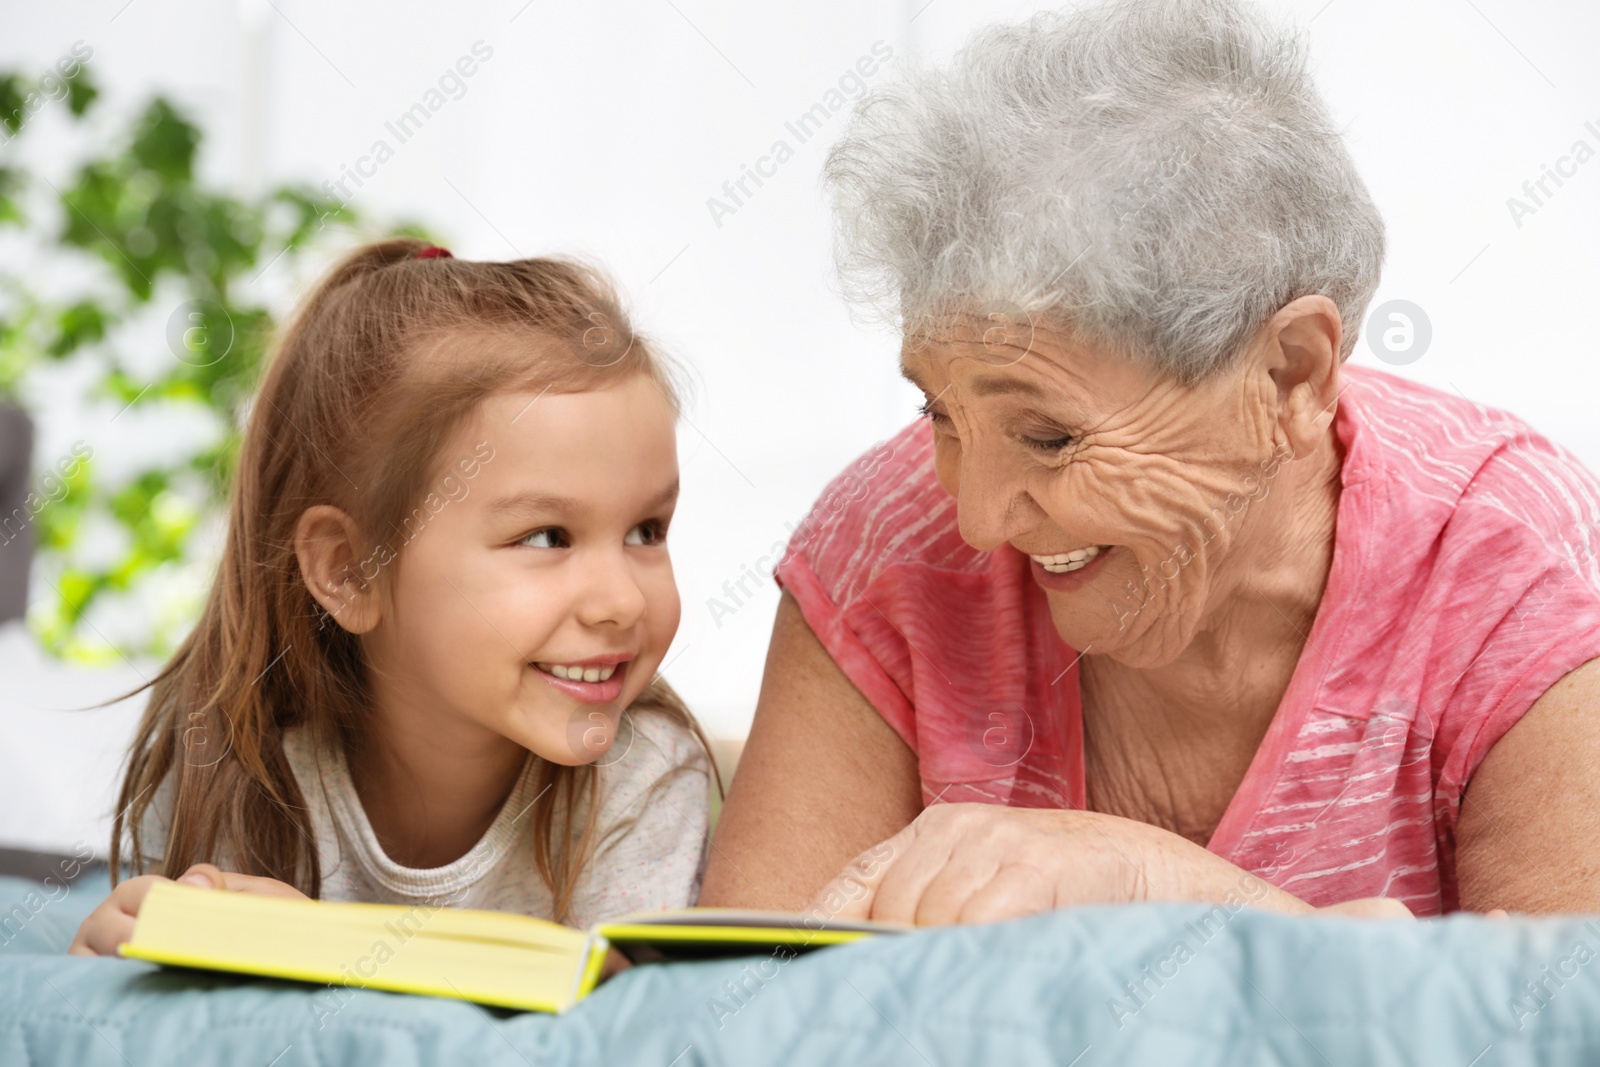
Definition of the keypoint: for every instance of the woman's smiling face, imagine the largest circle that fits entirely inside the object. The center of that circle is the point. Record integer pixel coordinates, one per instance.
(1106, 472)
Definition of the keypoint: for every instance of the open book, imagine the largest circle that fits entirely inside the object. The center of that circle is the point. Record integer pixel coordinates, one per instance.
(488, 957)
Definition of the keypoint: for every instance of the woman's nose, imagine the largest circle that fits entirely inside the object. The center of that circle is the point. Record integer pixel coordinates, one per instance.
(991, 504)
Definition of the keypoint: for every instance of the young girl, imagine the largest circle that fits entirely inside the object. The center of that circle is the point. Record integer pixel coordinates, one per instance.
(427, 670)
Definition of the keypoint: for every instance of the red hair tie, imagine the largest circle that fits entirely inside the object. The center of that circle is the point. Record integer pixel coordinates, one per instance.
(435, 252)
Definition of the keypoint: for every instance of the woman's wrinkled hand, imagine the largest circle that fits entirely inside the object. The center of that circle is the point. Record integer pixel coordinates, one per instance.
(971, 863)
(968, 863)
(1370, 908)
(110, 924)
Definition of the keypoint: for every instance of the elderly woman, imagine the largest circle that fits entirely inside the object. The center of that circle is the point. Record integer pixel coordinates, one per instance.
(1162, 600)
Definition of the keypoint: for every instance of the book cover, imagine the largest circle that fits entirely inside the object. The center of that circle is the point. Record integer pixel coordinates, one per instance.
(487, 957)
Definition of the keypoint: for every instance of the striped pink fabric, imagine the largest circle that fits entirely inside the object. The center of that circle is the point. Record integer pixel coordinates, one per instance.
(1464, 584)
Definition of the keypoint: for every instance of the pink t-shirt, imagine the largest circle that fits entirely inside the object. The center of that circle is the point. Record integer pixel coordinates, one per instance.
(1464, 584)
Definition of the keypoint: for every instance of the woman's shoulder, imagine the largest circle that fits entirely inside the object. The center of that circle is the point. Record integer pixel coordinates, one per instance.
(1460, 478)
(1479, 585)
(885, 509)
(1428, 441)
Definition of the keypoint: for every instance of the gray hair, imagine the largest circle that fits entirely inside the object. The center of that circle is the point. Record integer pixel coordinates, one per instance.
(1160, 176)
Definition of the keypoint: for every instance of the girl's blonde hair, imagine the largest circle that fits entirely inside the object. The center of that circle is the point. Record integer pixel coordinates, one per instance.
(354, 413)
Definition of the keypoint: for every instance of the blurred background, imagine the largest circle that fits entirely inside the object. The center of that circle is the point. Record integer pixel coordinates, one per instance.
(172, 172)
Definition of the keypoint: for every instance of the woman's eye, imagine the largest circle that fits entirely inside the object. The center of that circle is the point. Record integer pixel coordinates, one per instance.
(927, 412)
(549, 537)
(646, 533)
(1047, 444)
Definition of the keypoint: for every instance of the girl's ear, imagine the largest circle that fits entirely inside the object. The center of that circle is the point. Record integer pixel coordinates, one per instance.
(326, 543)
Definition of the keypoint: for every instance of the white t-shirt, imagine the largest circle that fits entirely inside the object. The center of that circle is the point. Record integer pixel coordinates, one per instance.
(649, 851)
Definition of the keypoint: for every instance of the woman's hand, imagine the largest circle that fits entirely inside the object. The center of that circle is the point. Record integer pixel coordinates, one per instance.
(968, 863)
(1376, 908)
(110, 924)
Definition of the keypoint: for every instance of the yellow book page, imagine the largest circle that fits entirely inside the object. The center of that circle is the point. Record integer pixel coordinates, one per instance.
(487, 957)
(738, 926)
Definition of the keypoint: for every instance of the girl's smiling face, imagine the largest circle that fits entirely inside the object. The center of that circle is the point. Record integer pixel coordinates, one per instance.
(538, 601)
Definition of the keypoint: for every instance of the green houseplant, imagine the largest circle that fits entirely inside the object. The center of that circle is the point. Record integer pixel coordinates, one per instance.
(159, 245)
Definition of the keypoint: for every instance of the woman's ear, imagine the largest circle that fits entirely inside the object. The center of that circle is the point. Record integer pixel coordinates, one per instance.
(1303, 360)
(327, 545)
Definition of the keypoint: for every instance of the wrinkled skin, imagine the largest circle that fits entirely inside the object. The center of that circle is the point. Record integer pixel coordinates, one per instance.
(1113, 452)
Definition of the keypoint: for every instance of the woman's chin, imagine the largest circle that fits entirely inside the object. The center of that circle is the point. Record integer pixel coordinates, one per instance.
(1096, 633)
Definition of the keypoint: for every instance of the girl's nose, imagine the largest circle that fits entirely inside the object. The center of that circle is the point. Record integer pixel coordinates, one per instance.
(611, 594)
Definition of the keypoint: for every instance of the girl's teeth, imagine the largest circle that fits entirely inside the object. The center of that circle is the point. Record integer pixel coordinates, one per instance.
(1067, 562)
(577, 674)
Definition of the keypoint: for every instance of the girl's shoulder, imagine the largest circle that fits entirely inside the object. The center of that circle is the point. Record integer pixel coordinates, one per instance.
(312, 769)
(155, 830)
(656, 754)
(656, 759)
(156, 825)
(654, 818)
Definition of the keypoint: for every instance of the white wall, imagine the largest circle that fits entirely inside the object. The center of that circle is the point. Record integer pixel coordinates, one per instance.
(604, 128)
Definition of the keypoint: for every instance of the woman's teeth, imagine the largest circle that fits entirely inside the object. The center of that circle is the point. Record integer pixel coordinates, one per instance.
(577, 674)
(1067, 562)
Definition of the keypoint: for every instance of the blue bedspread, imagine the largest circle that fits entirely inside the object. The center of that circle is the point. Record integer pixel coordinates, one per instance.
(1146, 984)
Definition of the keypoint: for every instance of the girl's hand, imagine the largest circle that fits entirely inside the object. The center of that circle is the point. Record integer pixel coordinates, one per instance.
(968, 863)
(110, 924)
(616, 963)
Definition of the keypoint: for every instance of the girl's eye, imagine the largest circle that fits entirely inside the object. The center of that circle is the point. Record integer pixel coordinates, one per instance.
(652, 532)
(549, 537)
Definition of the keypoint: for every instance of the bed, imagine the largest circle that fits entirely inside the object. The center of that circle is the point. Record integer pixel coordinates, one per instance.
(1158, 984)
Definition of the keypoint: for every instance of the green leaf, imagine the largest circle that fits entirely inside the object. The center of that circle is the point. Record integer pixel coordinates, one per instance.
(59, 521)
(10, 185)
(82, 323)
(13, 93)
(414, 229)
(96, 219)
(81, 92)
(165, 142)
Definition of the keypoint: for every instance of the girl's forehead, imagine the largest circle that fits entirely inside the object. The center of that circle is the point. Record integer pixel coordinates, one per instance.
(623, 421)
(621, 398)
(590, 452)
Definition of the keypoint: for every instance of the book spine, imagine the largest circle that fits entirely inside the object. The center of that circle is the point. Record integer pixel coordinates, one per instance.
(590, 965)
